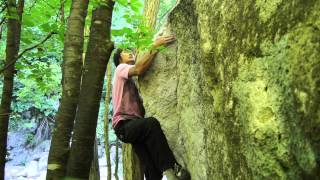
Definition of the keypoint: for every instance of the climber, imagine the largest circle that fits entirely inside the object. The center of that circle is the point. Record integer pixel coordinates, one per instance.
(129, 123)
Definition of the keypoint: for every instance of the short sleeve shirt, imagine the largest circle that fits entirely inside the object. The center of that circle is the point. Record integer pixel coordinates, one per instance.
(126, 100)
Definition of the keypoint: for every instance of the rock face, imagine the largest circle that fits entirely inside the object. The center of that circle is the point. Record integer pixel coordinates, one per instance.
(238, 94)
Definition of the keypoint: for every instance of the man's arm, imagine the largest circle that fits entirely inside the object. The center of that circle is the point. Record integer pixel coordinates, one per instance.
(145, 62)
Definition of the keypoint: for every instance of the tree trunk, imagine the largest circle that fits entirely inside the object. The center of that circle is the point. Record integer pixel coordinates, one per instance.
(94, 170)
(12, 48)
(132, 170)
(150, 12)
(106, 121)
(72, 69)
(62, 18)
(97, 56)
(117, 160)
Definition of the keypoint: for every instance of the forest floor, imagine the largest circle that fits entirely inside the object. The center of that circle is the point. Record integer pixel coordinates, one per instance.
(27, 162)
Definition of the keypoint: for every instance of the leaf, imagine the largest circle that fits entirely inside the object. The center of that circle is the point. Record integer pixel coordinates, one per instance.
(45, 27)
(136, 6)
(122, 2)
(28, 21)
(26, 40)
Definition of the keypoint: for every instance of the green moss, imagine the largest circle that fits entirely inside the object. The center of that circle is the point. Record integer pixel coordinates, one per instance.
(267, 8)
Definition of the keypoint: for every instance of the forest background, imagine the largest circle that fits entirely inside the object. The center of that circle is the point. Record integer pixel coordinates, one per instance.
(37, 87)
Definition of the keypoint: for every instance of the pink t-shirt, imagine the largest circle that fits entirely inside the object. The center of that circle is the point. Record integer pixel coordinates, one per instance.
(126, 101)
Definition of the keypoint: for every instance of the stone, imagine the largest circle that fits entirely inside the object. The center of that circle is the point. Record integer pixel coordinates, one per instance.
(32, 169)
(42, 175)
(103, 171)
(238, 93)
(22, 173)
(22, 178)
(43, 161)
(14, 171)
(103, 161)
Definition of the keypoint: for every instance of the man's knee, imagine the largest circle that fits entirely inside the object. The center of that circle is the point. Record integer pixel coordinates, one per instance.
(153, 122)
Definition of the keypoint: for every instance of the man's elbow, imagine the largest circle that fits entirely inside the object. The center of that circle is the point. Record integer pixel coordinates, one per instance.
(139, 71)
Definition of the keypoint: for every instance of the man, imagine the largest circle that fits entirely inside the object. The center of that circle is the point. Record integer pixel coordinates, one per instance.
(145, 134)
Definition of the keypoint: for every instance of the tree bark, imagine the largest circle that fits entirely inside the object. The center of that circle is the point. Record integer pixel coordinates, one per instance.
(71, 75)
(117, 160)
(12, 48)
(62, 18)
(97, 56)
(106, 122)
(150, 12)
(94, 170)
(132, 169)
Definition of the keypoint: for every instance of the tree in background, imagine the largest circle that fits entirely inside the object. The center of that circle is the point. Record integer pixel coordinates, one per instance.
(14, 16)
(3, 7)
(106, 120)
(94, 169)
(71, 80)
(98, 52)
(150, 12)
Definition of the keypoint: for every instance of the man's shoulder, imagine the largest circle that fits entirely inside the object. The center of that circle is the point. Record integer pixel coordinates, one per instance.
(120, 66)
(123, 65)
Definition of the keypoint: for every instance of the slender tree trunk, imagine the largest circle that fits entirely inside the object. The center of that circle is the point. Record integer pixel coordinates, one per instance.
(132, 168)
(150, 12)
(94, 170)
(117, 160)
(97, 56)
(12, 49)
(62, 18)
(71, 75)
(1, 30)
(106, 121)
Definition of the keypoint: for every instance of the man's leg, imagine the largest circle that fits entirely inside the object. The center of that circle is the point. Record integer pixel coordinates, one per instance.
(148, 131)
(150, 171)
(158, 146)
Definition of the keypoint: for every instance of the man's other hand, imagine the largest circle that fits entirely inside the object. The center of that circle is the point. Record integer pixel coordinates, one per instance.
(163, 40)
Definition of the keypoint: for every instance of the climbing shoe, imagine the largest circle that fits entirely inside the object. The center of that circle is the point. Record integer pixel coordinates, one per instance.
(181, 173)
(170, 175)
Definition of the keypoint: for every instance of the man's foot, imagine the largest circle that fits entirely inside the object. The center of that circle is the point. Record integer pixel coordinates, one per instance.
(170, 175)
(177, 173)
(181, 172)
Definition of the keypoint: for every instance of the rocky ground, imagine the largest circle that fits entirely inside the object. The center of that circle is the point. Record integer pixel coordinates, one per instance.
(30, 163)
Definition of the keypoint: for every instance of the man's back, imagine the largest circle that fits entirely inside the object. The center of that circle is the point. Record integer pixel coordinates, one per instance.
(127, 103)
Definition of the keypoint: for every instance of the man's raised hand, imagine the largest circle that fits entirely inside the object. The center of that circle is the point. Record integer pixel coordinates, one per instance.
(163, 40)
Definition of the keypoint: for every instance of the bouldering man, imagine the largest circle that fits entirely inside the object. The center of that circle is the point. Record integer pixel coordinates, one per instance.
(129, 123)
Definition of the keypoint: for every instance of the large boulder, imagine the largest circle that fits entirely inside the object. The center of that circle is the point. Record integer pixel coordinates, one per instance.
(238, 94)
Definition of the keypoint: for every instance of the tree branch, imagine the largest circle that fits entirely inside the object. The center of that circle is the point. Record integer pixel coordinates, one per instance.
(4, 7)
(2, 21)
(26, 50)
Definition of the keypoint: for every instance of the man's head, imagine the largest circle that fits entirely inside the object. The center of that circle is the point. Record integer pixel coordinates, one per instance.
(123, 56)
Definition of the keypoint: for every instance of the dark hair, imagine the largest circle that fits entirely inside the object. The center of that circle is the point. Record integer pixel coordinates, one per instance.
(116, 56)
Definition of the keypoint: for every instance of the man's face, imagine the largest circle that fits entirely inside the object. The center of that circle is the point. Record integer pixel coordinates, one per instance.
(127, 57)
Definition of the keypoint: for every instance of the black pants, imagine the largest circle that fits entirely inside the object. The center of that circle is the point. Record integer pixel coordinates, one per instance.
(149, 143)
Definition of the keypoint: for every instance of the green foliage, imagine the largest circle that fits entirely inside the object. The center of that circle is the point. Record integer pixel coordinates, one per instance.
(129, 28)
(39, 91)
(37, 82)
